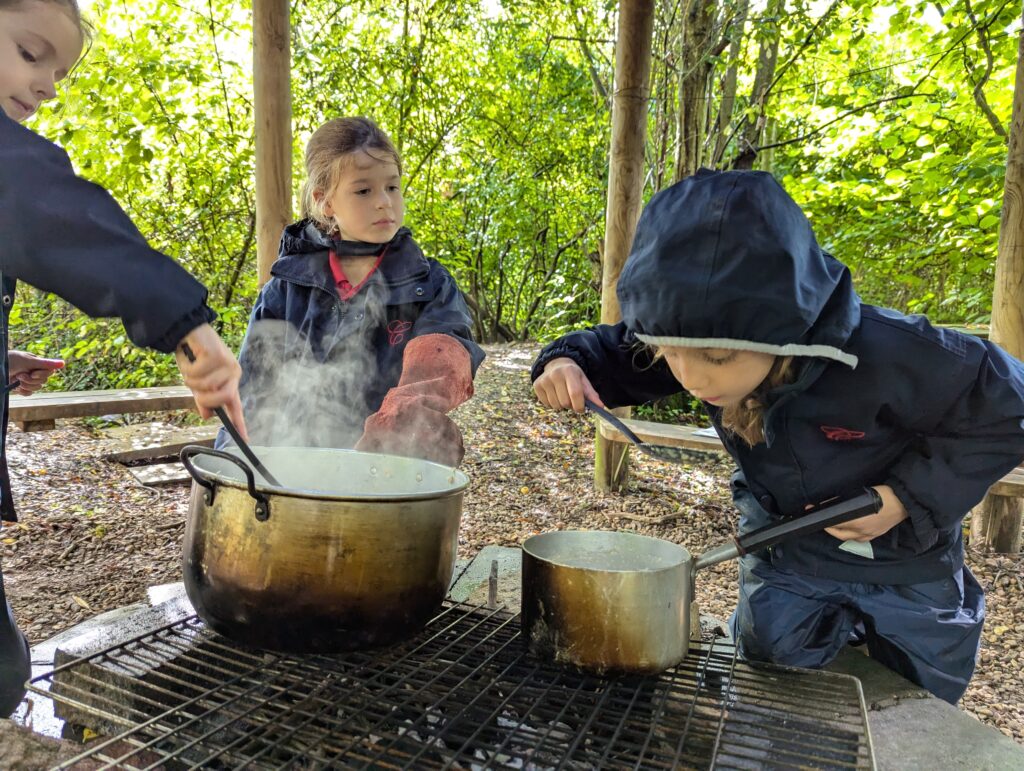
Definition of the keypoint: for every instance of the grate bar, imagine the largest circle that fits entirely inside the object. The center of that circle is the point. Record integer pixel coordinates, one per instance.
(405, 678)
(463, 694)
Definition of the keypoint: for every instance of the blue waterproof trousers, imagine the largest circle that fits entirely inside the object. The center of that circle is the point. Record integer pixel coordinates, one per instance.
(15, 665)
(928, 632)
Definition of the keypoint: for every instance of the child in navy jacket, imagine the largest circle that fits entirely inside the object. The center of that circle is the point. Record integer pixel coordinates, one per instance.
(358, 340)
(65, 235)
(727, 295)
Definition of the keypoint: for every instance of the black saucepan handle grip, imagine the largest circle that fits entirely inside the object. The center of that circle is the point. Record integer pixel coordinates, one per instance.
(829, 514)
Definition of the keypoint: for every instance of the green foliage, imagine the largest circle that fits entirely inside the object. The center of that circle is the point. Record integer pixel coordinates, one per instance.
(678, 408)
(906, 184)
(884, 122)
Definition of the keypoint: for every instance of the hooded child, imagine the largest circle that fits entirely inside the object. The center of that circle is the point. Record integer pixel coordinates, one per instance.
(726, 294)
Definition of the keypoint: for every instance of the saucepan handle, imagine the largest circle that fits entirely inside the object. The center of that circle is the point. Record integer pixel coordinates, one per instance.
(187, 453)
(831, 513)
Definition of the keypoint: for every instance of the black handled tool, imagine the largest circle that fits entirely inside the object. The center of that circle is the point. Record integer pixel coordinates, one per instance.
(669, 454)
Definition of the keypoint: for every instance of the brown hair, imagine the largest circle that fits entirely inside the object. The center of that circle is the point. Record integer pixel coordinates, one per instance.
(69, 6)
(746, 419)
(325, 158)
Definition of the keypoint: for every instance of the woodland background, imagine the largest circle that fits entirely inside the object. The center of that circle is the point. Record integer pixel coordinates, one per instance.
(886, 121)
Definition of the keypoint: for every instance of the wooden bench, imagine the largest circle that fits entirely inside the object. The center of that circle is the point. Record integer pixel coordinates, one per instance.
(40, 411)
(1011, 485)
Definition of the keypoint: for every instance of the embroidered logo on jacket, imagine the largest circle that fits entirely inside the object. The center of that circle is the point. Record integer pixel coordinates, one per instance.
(397, 330)
(836, 434)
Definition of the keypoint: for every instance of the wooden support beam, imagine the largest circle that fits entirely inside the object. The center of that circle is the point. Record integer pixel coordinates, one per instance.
(272, 108)
(996, 523)
(625, 189)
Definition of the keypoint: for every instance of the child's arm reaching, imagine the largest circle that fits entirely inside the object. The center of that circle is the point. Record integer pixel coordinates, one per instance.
(438, 365)
(968, 413)
(563, 385)
(611, 362)
(437, 377)
(448, 314)
(95, 258)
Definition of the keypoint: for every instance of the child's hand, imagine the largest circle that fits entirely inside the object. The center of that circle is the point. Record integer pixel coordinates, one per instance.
(29, 371)
(563, 386)
(873, 525)
(213, 376)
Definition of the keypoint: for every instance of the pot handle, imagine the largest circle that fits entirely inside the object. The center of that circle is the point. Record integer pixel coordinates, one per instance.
(833, 512)
(190, 451)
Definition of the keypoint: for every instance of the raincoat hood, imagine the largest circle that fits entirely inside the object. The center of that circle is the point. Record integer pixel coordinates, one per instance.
(728, 260)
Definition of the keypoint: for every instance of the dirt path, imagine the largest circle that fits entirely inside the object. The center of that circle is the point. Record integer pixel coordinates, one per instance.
(91, 539)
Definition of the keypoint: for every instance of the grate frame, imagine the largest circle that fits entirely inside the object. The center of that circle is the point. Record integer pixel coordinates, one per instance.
(462, 694)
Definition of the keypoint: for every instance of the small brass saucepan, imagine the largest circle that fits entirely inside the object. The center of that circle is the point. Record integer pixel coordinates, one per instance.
(607, 601)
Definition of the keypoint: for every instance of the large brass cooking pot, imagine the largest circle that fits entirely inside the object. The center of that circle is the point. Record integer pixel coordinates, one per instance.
(354, 550)
(621, 602)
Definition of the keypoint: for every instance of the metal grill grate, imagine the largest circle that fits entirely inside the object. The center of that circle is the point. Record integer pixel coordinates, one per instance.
(463, 694)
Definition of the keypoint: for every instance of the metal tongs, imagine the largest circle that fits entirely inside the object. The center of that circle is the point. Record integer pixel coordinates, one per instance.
(658, 451)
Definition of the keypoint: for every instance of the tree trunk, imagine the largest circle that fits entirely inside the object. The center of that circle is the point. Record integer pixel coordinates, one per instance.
(766, 60)
(996, 523)
(625, 187)
(725, 107)
(695, 74)
(272, 112)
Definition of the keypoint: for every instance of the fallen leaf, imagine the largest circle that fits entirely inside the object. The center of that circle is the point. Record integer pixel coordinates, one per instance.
(80, 602)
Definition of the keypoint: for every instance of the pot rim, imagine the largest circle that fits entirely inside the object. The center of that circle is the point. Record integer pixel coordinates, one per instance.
(458, 486)
(685, 557)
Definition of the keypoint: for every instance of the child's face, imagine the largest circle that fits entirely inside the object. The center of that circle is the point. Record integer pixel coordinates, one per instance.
(719, 376)
(39, 44)
(367, 203)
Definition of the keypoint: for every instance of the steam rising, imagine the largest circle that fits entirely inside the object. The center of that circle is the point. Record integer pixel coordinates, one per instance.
(298, 394)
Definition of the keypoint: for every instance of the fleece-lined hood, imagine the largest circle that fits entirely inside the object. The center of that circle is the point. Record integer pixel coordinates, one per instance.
(728, 260)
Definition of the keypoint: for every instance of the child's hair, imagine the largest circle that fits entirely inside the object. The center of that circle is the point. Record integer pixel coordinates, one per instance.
(70, 7)
(325, 158)
(746, 419)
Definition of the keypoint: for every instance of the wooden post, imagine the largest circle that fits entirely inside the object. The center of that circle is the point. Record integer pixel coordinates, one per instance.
(996, 523)
(625, 188)
(272, 108)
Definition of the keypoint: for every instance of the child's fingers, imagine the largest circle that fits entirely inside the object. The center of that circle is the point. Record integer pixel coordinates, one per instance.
(39, 376)
(233, 408)
(590, 393)
(570, 396)
(546, 389)
(847, 533)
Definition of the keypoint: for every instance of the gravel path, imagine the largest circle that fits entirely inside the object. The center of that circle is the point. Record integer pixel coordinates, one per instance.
(91, 539)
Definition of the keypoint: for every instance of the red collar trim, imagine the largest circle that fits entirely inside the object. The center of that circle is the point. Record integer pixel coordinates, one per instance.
(345, 289)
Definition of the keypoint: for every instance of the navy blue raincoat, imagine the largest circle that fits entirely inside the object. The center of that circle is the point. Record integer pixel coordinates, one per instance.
(727, 260)
(316, 366)
(64, 235)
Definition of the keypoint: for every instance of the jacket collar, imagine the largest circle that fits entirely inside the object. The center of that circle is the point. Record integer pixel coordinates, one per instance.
(303, 258)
